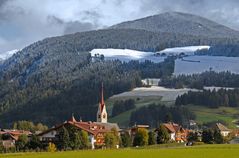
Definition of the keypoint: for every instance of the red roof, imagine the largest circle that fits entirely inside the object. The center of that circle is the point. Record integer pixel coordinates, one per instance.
(89, 127)
(172, 127)
(15, 133)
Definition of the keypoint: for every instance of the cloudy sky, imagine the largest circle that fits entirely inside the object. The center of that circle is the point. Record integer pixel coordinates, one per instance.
(23, 22)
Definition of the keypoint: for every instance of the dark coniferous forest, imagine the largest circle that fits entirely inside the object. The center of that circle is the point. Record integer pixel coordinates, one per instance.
(154, 114)
(211, 99)
(47, 103)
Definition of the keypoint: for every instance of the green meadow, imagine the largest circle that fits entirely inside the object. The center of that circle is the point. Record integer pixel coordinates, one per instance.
(203, 114)
(203, 151)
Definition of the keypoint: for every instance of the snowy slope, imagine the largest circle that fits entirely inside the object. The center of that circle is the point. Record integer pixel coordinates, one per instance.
(120, 52)
(189, 50)
(8, 54)
(126, 55)
(199, 64)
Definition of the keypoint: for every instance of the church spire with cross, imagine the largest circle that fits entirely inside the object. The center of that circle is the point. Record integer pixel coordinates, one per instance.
(102, 114)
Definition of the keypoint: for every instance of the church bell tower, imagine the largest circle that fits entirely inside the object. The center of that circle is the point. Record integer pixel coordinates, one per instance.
(102, 114)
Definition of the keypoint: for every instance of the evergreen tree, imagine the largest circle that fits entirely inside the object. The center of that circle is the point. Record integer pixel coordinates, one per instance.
(21, 143)
(126, 140)
(207, 136)
(218, 138)
(64, 139)
(84, 139)
(76, 143)
(152, 138)
(34, 142)
(192, 137)
(162, 135)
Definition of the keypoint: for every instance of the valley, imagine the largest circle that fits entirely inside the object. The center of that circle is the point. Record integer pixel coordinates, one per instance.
(119, 79)
(165, 96)
(42, 74)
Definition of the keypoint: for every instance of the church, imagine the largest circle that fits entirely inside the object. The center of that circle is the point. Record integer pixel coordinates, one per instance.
(96, 130)
(102, 113)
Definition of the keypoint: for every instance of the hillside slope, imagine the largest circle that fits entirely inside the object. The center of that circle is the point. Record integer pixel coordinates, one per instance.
(182, 23)
(49, 79)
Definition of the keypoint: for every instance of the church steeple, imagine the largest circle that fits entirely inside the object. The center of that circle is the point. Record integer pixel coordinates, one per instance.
(72, 119)
(102, 114)
(102, 102)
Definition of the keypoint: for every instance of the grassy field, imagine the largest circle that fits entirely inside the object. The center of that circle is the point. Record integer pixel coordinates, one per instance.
(146, 96)
(203, 114)
(204, 151)
(123, 119)
(225, 114)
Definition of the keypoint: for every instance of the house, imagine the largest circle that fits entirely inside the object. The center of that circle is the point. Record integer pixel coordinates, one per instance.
(151, 81)
(95, 130)
(176, 132)
(222, 129)
(9, 137)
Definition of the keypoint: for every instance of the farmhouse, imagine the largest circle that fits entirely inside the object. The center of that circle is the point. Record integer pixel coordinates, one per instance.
(176, 132)
(222, 129)
(9, 137)
(95, 130)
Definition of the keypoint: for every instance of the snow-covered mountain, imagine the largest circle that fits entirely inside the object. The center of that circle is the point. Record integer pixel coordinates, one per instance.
(8, 54)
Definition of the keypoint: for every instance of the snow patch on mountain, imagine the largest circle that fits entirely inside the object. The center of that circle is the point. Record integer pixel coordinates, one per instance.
(120, 52)
(8, 54)
(199, 64)
(189, 50)
(126, 55)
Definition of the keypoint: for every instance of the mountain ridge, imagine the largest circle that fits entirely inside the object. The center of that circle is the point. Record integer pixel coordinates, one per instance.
(177, 22)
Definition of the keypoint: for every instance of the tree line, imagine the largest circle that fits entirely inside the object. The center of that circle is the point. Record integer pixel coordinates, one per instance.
(210, 98)
(121, 106)
(154, 114)
(29, 126)
(229, 50)
(198, 81)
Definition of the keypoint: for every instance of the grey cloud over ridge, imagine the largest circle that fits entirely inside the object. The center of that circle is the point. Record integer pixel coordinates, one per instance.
(23, 22)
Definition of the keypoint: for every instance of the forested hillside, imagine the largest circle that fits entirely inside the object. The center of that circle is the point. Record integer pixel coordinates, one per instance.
(198, 81)
(212, 99)
(182, 23)
(154, 114)
(51, 101)
(50, 79)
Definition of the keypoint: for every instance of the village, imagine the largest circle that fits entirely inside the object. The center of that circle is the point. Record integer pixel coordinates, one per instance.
(78, 134)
